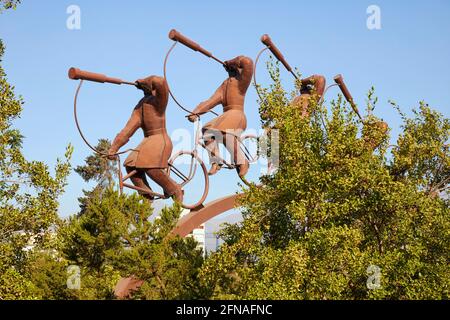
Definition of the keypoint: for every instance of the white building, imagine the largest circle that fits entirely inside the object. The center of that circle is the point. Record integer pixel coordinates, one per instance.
(198, 234)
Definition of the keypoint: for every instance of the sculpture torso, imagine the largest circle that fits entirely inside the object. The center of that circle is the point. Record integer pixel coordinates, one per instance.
(235, 87)
(152, 115)
(149, 114)
(233, 95)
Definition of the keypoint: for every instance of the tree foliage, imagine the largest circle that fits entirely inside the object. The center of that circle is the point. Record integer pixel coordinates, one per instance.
(116, 236)
(8, 4)
(337, 205)
(97, 169)
(343, 203)
(29, 195)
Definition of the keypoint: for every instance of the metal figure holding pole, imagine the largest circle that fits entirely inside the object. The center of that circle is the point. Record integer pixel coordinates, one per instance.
(228, 127)
(152, 155)
(312, 87)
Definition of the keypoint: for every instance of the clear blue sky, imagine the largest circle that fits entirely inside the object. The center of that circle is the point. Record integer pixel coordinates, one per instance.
(407, 60)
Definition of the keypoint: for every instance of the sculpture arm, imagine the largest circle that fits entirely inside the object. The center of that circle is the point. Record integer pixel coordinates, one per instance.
(246, 64)
(159, 84)
(130, 128)
(207, 105)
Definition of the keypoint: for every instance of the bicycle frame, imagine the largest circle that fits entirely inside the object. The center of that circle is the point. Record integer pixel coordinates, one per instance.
(227, 165)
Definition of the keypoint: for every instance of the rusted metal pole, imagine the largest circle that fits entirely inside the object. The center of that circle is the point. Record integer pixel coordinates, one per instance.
(177, 36)
(340, 82)
(277, 53)
(77, 74)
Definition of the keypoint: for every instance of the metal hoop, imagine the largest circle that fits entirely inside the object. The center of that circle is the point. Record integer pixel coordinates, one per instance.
(81, 132)
(254, 73)
(168, 86)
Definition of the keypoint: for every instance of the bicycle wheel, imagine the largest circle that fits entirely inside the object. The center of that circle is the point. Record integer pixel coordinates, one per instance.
(183, 167)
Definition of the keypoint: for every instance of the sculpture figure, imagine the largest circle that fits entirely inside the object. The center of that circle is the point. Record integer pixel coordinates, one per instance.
(228, 127)
(312, 89)
(152, 155)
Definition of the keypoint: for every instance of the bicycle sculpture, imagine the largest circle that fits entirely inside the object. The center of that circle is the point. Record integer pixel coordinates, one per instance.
(151, 157)
(228, 127)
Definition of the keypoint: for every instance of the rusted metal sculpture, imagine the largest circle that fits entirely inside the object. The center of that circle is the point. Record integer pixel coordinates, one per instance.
(228, 127)
(267, 41)
(158, 160)
(177, 36)
(152, 155)
(77, 74)
(339, 79)
(312, 88)
(203, 214)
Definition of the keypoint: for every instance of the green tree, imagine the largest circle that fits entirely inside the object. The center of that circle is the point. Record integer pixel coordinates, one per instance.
(8, 4)
(116, 237)
(28, 197)
(98, 169)
(338, 204)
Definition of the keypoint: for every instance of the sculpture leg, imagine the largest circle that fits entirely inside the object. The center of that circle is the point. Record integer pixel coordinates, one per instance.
(139, 180)
(232, 144)
(210, 138)
(162, 178)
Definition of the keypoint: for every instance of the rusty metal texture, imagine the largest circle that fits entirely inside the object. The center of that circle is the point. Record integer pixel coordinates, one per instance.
(177, 36)
(339, 79)
(204, 213)
(231, 95)
(266, 40)
(77, 74)
(153, 153)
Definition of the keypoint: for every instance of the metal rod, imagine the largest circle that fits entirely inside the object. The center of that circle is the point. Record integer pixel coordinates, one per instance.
(179, 173)
(177, 36)
(218, 60)
(132, 173)
(295, 76)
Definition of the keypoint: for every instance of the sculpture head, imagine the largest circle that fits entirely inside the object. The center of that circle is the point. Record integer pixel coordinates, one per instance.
(146, 85)
(233, 72)
(231, 67)
(305, 89)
